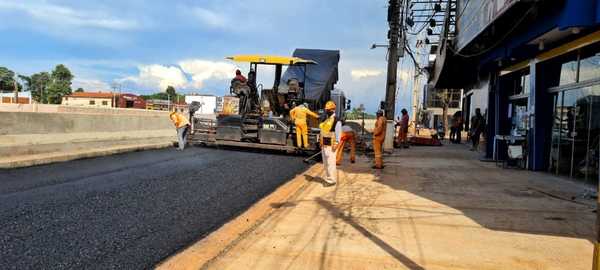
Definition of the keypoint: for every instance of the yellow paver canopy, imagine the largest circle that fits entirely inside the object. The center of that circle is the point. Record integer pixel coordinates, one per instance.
(270, 59)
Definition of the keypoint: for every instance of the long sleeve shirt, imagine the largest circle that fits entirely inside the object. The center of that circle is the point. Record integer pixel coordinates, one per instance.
(380, 127)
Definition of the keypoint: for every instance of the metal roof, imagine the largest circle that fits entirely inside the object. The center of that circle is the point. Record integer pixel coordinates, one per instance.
(270, 59)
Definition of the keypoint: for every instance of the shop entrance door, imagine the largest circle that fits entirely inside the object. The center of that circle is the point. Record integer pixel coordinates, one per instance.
(575, 133)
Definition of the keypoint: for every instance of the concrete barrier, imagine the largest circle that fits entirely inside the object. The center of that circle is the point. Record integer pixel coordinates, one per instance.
(50, 108)
(12, 123)
(31, 133)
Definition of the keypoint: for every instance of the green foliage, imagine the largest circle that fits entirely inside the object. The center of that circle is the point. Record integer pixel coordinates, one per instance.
(26, 82)
(45, 87)
(163, 96)
(356, 114)
(60, 84)
(39, 83)
(7, 80)
(79, 90)
(171, 92)
(62, 73)
(56, 90)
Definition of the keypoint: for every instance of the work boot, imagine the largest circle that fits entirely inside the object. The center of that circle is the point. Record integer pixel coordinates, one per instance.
(329, 182)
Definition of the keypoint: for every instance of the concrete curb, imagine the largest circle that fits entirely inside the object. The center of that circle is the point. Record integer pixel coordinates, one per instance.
(200, 254)
(41, 159)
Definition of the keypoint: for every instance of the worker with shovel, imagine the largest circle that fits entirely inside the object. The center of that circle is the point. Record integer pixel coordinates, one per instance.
(182, 125)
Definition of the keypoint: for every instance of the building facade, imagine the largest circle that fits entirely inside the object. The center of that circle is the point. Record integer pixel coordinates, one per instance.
(104, 100)
(434, 101)
(9, 97)
(533, 67)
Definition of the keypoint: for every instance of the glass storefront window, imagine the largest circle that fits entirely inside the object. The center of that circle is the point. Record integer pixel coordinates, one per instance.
(568, 73)
(519, 118)
(525, 84)
(576, 133)
(589, 68)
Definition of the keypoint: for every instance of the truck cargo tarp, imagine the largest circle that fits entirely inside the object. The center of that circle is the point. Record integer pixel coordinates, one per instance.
(320, 78)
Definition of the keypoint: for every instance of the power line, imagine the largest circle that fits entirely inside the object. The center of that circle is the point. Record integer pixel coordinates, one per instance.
(499, 40)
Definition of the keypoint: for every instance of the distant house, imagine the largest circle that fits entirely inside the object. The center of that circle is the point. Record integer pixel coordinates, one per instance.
(164, 105)
(104, 100)
(9, 97)
(130, 101)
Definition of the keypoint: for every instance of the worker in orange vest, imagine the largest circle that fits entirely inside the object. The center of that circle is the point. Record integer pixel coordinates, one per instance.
(331, 131)
(348, 136)
(182, 124)
(298, 115)
(378, 139)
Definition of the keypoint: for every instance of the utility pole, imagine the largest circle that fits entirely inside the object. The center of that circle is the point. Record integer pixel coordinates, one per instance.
(596, 259)
(396, 50)
(16, 85)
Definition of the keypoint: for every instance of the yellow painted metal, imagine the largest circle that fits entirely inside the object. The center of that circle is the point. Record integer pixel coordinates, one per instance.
(515, 67)
(558, 51)
(270, 59)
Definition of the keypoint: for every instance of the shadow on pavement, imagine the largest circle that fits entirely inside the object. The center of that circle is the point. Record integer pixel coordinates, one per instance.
(335, 212)
(497, 199)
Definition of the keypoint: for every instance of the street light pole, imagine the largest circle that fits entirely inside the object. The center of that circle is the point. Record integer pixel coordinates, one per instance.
(396, 39)
(596, 259)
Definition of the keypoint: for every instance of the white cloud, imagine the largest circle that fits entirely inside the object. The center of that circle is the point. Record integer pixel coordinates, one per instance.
(67, 16)
(159, 77)
(202, 70)
(359, 74)
(210, 18)
(90, 85)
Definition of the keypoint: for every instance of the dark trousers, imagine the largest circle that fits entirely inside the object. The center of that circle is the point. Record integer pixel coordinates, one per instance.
(475, 137)
(453, 134)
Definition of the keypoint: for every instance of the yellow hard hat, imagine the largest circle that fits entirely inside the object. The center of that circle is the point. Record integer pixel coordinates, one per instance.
(330, 105)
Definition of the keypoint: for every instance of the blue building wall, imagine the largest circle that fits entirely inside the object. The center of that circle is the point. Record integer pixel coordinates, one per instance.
(561, 15)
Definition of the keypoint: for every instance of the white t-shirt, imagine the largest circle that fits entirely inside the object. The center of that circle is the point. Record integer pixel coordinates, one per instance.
(347, 129)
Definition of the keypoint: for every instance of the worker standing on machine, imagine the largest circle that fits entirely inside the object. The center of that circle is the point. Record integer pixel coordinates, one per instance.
(378, 139)
(348, 136)
(331, 130)
(240, 77)
(298, 115)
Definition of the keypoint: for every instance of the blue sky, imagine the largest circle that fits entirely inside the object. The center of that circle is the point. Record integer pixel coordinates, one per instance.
(146, 45)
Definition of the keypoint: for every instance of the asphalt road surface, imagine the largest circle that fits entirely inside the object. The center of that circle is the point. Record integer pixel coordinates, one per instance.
(128, 211)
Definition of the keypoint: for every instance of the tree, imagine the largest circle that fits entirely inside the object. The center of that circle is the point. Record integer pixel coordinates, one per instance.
(26, 82)
(79, 90)
(445, 97)
(356, 114)
(39, 85)
(60, 84)
(171, 92)
(7, 80)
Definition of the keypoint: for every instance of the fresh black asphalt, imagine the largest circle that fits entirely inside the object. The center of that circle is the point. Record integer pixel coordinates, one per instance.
(128, 211)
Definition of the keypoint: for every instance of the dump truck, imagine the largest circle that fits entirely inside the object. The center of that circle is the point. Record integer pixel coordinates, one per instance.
(253, 116)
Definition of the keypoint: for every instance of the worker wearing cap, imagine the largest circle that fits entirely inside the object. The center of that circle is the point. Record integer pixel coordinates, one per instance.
(378, 139)
(331, 130)
(240, 77)
(298, 115)
(348, 136)
(182, 124)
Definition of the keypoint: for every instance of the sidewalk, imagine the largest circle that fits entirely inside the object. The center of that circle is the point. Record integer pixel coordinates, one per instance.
(431, 208)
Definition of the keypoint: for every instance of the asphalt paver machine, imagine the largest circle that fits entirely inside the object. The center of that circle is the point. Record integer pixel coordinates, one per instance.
(253, 116)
